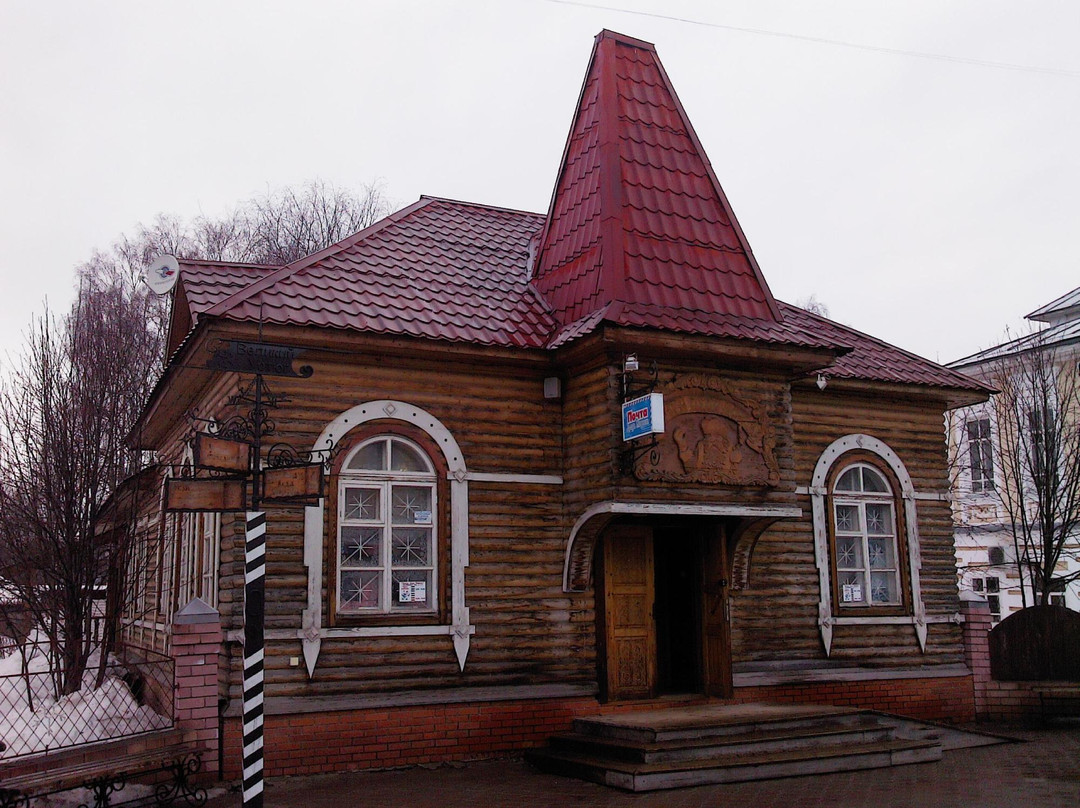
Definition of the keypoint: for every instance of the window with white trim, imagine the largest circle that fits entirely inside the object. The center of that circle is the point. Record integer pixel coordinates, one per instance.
(980, 454)
(866, 554)
(387, 543)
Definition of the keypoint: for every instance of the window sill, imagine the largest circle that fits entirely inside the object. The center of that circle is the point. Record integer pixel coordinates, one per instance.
(386, 631)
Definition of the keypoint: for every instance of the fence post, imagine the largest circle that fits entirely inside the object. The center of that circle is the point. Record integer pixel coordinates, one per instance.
(977, 624)
(196, 643)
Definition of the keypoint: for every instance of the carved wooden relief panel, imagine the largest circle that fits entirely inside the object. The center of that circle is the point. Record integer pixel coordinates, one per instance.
(715, 434)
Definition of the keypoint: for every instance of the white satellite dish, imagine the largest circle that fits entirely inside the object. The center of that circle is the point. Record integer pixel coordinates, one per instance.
(162, 273)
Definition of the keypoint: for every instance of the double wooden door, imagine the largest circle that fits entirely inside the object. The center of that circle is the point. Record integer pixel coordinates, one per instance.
(664, 611)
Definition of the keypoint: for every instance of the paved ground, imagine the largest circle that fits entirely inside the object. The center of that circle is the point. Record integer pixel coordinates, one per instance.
(1041, 770)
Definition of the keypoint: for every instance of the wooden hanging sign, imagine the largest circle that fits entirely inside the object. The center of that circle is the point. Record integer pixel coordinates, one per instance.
(299, 485)
(221, 455)
(204, 496)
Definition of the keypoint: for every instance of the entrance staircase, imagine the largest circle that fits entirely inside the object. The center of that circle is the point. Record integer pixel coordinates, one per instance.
(723, 743)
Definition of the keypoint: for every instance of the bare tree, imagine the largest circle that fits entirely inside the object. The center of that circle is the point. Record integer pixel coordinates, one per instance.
(69, 402)
(1037, 414)
(65, 411)
(813, 305)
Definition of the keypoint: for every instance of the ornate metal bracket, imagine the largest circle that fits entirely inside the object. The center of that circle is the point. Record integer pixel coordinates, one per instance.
(634, 389)
(633, 452)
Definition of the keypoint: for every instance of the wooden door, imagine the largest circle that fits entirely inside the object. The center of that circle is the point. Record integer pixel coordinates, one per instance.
(629, 630)
(716, 637)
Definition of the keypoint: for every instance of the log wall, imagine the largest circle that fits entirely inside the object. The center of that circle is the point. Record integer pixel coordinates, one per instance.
(775, 617)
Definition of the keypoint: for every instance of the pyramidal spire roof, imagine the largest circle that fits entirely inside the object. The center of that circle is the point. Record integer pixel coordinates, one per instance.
(639, 231)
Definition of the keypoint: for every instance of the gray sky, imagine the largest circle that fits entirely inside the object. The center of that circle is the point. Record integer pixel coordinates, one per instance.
(928, 202)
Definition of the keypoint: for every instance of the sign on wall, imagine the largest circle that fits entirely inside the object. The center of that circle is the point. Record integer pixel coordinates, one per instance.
(643, 416)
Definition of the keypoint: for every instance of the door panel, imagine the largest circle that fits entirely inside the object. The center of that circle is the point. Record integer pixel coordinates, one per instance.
(716, 639)
(629, 631)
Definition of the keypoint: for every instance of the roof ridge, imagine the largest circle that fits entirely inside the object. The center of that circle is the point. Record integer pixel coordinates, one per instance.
(212, 262)
(466, 203)
(265, 282)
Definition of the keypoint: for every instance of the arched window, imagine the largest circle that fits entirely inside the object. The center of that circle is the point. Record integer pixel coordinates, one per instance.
(865, 539)
(387, 542)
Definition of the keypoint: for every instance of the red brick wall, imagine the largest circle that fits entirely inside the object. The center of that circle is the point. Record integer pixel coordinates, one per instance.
(405, 736)
(934, 699)
(994, 701)
(196, 643)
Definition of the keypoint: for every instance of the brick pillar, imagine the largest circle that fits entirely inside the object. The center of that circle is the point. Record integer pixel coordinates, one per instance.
(196, 643)
(977, 624)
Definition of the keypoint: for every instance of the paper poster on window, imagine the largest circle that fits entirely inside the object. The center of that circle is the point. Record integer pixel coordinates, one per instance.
(421, 517)
(412, 591)
(852, 593)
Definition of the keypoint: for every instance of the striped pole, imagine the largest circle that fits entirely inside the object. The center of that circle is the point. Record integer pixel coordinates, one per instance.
(254, 594)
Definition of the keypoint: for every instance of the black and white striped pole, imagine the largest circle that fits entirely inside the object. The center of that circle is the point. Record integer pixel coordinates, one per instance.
(254, 618)
(254, 595)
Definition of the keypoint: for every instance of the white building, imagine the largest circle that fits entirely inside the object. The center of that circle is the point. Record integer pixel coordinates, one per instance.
(986, 550)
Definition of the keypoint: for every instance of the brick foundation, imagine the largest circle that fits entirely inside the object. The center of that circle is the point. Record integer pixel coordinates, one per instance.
(309, 743)
(947, 699)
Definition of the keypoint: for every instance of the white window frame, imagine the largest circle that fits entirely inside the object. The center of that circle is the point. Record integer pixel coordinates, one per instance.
(386, 481)
(819, 492)
(864, 571)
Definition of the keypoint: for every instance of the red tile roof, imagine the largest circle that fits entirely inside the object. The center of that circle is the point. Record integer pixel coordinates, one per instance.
(449, 270)
(872, 359)
(205, 283)
(437, 269)
(639, 234)
(638, 217)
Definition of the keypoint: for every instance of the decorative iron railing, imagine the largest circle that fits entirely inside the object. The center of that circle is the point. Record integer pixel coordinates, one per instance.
(135, 696)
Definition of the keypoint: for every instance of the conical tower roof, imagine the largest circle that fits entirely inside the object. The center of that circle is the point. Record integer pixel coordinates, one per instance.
(639, 231)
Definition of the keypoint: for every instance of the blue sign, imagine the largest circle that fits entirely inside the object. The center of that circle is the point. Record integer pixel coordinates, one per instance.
(643, 416)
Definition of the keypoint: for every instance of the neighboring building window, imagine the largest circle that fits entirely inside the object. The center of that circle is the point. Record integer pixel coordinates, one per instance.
(865, 539)
(386, 538)
(1057, 600)
(991, 587)
(1041, 431)
(993, 596)
(981, 454)
(996, 555)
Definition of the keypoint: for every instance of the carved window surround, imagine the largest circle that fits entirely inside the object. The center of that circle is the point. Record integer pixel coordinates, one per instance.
(312, 632)
(818, 494)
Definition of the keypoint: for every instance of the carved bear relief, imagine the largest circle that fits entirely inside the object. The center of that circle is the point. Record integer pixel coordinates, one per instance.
(715, 434)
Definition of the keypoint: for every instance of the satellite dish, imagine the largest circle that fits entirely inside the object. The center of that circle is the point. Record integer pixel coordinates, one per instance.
(161, 274)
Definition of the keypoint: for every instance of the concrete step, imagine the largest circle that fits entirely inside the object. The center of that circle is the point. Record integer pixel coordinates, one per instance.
(716, 721)
(729, 768)
(774, 739)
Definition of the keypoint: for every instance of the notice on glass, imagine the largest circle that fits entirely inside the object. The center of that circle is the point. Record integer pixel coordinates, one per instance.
(412, 591)
(852, 593)
(421, 517)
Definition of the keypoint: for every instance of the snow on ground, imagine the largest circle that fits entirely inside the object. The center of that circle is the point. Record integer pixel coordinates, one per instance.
(82, 717)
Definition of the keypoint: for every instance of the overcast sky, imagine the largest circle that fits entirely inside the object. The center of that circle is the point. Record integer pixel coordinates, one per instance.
(930, 202)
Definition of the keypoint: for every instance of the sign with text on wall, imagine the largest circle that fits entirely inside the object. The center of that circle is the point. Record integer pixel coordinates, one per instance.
(643, 416)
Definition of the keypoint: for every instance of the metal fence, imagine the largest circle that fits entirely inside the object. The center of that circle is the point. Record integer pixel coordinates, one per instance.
(135, 696)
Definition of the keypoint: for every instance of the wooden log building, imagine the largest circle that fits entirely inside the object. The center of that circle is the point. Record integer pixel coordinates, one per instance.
(490, 558)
